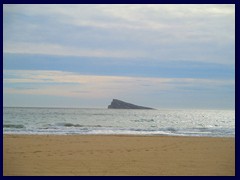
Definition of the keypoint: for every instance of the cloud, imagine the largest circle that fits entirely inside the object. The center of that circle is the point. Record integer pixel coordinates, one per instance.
(163, 32)
(122, 15)
(55, 49)
(59, 83)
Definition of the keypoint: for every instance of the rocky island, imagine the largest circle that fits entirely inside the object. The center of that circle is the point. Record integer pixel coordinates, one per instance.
(117, 104)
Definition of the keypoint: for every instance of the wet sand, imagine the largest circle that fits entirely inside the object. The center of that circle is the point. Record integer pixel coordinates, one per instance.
(77, 155)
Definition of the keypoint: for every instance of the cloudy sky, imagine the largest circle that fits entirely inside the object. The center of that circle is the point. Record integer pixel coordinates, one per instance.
(162, 56)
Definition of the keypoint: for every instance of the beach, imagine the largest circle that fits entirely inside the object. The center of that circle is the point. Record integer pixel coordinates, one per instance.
(103, 155)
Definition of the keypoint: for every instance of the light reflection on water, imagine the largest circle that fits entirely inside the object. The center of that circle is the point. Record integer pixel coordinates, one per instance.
(110, 121)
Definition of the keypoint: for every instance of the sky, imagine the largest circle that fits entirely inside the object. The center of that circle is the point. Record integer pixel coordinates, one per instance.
(160, 55)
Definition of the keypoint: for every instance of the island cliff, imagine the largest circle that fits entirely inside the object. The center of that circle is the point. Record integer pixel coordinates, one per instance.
(117, 104)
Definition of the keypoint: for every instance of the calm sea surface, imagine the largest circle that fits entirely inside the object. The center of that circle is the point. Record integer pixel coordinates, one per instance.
(214, 123)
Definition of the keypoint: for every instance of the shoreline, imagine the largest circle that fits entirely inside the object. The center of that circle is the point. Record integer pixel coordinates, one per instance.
(76, 155)
(140, 135)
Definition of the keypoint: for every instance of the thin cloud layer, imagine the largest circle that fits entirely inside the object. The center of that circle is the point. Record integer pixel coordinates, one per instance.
(60, 83)
(193, 32)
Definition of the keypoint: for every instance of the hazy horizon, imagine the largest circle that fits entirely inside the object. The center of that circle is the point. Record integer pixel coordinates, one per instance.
(83, 56)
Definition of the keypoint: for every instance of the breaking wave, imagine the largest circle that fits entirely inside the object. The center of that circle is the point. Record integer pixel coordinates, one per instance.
(13, 126)
(76, 125)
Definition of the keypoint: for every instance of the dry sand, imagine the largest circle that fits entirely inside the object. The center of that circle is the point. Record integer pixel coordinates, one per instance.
(117, 155)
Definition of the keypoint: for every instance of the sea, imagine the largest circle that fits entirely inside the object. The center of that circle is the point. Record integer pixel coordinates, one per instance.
(89, 121)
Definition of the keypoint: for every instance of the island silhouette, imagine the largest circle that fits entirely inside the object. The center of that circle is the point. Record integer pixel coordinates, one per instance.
(118, 104)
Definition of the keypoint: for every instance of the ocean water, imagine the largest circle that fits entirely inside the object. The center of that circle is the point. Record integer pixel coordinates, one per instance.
(212, 123)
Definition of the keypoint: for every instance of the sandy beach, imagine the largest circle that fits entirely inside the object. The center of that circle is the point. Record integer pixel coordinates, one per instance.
(117, 155)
